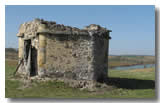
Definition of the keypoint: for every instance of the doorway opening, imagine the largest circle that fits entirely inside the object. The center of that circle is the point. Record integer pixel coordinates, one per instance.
(33, 71)
(33, 62)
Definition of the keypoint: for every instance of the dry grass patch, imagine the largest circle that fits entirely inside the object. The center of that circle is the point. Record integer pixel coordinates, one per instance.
(143, 70)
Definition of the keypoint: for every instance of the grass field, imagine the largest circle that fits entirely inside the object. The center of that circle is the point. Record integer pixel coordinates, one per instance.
(127, 60)
(137, 83)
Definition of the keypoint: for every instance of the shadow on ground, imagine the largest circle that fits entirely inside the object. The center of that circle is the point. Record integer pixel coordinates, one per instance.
(131, 83)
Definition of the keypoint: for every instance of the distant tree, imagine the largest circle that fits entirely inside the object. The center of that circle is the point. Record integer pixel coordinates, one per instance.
(13, 50)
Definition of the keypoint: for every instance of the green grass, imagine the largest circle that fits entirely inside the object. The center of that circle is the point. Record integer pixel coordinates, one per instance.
(143, 74)
(126, 84)
(125, 60)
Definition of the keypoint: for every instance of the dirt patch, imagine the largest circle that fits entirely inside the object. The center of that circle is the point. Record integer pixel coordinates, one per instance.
(11, 62)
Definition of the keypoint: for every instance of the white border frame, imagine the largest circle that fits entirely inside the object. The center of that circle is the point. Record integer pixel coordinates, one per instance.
(73, 2)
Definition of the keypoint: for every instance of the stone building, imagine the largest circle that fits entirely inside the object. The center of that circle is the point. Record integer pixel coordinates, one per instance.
(53, 50)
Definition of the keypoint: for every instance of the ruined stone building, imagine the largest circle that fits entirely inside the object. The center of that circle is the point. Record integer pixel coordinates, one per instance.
(58, 51)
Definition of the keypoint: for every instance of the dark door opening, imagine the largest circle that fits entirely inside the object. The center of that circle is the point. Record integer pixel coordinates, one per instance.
(27, 47)
(33, 71)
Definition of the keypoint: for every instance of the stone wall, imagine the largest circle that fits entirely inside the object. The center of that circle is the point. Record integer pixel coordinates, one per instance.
(79, 58)
(69, 57)
(100, 55)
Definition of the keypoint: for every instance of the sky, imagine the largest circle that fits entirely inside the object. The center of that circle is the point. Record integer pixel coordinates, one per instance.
(133, 27)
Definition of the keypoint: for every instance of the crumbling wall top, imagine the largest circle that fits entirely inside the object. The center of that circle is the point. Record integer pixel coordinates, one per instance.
(32, 28)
